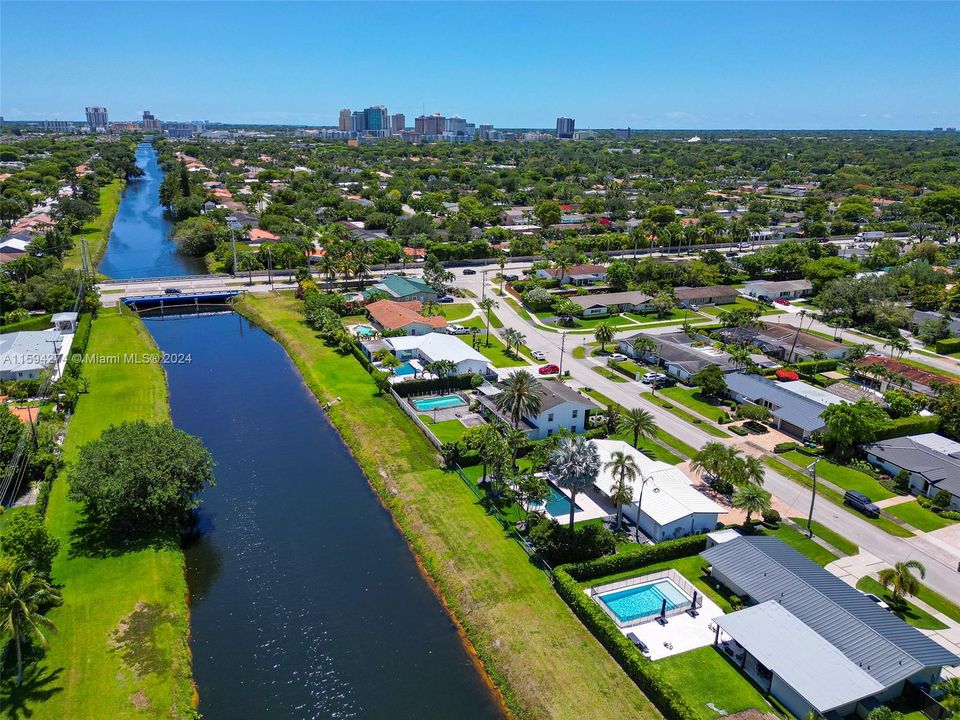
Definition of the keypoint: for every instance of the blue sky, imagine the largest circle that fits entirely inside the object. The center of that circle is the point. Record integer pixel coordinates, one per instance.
(773, 65)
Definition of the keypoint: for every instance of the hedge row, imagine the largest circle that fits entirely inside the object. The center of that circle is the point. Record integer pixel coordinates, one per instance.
(912, 425)
(948, 346)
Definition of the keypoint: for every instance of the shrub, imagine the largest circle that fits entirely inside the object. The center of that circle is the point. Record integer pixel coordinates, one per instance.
(771, 517)
(914, 425)
(556, 544)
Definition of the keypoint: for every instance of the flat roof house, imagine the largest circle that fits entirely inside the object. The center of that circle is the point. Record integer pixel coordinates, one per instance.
(787, 289)
(678, 354)
(575, 274)
(671, 506)
(438, 346)
(612, 303)
(560, 407)
(932, 460)
(405, 316)
(710, 295)
(25, 355)
(812, 641)
(401, 288)
(796, 406)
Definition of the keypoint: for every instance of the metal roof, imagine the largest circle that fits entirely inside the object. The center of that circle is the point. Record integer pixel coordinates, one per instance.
(810, 665)
(877, 641)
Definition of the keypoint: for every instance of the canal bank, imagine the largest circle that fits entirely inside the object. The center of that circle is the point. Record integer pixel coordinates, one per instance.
(540, 656)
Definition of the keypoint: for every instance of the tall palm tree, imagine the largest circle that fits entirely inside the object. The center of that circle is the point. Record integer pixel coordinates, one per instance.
(23, 595)
(639, 422)
(752, 498)
(900, 579)
(521, 395)
(574, 466)
(488, 304)
(624, 470)
(603, 334)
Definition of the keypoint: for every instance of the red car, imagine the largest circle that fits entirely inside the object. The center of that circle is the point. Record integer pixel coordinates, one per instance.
(782, 301)
(550, 369)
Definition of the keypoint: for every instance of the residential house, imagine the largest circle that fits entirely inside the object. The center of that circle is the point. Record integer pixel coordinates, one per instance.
(402, 288)
(796, 407)
(876, 372)
(613, 303)
(681, 355)
(25, 355)
(710, 295)
(932, 460)
(785, 342)
(390, 315)
(429, 348)
(671, 506)
(560, 407)
(785, 289)
(815, 643)
(579, 275)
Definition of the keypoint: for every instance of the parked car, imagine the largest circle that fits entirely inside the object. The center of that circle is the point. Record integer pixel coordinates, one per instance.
(469, 271)
(878, 601)
(457, 330)
(446, 299)
(539, 355)
(550, 369)
(172, 291)
(639, 644)
(859, 501)
(618, 357)
(782, 301)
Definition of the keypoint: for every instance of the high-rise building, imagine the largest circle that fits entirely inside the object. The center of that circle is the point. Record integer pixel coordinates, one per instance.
(455, 125)
(344, 123)
(358, 121)
(97, 119)
(398, 122)
(149, 121)
(434, 124)
(377, 118)
(565, 127)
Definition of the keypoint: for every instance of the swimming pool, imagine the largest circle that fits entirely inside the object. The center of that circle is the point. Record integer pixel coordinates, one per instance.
(558, 504)
(644, 601)
(405, 369)
(439, 403)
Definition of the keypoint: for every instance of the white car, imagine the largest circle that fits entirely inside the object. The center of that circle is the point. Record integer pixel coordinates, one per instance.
(457, 329)
(618, 357)
(539, 355)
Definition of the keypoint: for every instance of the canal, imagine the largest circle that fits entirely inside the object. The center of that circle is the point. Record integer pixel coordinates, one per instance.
(140, 242)
(305, 599)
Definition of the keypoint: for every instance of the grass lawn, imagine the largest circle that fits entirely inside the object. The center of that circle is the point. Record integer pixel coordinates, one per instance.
(546, 663)
(696, 401)
(914, 514)
(703, 676)
(905, 610)
(97, 231)
(845, 477)
(445, 430)
(801, 543)
(83, 675)
(825, 533)
(458, 311)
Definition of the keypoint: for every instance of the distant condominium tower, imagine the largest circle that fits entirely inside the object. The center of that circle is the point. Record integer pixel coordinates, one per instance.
(434, 124)
(398, 123)
(565, 127)
(97, 119)
(344, 123)
(149, 121)
(377, 118)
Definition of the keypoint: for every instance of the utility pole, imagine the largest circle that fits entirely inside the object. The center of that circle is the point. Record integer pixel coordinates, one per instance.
(812, 469)
(233, 241)
(563, 342)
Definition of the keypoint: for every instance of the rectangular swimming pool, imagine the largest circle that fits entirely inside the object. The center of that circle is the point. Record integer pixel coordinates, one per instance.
(558, 504)
(438, 403)
(644, 601)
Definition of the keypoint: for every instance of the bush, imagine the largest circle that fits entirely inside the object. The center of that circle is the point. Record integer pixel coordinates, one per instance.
(913, 425)
(786, 447)
(948, 346)
(771, 517)
(556, 544)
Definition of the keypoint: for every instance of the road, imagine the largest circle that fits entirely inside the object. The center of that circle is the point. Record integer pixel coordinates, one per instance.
(940, 562)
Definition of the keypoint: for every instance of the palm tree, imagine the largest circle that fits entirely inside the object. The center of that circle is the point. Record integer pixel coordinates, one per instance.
(752, 498)
(23, 594)
(900, 579)
(603, 334)
(521, 395)
(574, 466)
(639, 422)
(488, 304)
(624, 470)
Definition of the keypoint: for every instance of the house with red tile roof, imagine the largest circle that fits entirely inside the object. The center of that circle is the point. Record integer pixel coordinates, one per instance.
(405, 316)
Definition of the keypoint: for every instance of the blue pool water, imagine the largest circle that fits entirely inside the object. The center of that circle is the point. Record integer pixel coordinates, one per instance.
(644, 600)
(438, 403)
(405, 369)
(558, 504)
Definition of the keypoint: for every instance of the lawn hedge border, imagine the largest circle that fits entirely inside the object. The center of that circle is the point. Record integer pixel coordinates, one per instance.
(644, 672)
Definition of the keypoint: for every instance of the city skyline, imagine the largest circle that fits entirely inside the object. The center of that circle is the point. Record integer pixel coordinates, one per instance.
(701, 66)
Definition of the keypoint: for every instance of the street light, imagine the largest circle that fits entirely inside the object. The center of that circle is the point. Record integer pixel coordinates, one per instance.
(812, 471)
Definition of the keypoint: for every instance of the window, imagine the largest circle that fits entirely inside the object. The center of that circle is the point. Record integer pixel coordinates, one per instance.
(575, 413)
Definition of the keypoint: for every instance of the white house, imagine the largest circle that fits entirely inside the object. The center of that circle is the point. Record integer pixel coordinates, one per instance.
(670, 506)
(439, 346)
(560, 407)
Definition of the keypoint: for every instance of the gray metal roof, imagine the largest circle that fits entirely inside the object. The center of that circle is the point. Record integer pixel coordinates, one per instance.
(809, 664)
(789, 406)
(877, 641)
